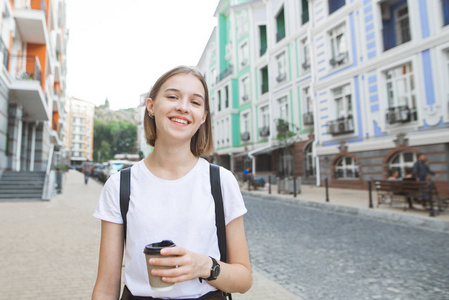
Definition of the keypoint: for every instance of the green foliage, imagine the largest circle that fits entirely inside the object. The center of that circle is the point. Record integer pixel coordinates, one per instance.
(115, 137)
(283, 130)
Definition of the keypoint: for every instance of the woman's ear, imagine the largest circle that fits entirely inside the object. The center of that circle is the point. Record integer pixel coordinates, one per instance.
(204, 118)
(149, 105)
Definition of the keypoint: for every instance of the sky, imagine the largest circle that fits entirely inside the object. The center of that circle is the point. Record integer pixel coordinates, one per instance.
(118, 48)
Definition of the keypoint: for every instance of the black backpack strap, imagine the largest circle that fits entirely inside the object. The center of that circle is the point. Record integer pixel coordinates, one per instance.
(215, 186)
(125, 191)
(219, 211)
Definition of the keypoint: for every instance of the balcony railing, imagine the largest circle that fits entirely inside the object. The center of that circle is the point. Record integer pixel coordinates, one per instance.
(341, 126)
(244, 136)
(4, 53)
(264, 131)
(401, 114)
(27, 67)
(308, 118)
(225, 73)
(445, 5)
(395, 35)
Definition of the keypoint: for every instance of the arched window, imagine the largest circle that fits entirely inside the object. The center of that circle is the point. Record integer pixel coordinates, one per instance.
(401, 161)
(310, 162)
(346, 168)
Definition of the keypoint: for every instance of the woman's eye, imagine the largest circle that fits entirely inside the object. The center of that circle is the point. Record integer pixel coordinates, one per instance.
(196, 102)
(171, 97)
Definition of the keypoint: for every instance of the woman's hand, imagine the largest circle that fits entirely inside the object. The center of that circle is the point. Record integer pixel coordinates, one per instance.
(188, 265)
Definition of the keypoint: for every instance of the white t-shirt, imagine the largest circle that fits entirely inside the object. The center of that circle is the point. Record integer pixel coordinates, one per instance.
(181, 210)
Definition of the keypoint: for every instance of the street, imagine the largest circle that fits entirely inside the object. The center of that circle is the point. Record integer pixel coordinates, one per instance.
(317, 254)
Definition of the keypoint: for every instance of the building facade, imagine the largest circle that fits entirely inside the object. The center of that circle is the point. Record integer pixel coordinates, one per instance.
(32, 83)
(80, 130)
(337, 89)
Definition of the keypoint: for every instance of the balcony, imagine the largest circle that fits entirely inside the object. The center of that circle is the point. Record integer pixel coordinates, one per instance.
(342, 125)
(244, 136)
(4, 54)
(225, 73)
(26, 87)
(308, 118)
(31, 22)
(339, 59)
(264, 131)
(401, 114)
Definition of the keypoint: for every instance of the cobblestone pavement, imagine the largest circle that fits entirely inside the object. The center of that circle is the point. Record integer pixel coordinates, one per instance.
(319, 254)
(49, 250)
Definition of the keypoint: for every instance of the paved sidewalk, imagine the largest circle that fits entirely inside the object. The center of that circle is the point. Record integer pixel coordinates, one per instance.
(49, 250)
(357, 202)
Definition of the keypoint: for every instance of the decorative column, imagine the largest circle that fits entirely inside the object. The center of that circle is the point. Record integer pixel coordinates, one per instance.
(33, 146)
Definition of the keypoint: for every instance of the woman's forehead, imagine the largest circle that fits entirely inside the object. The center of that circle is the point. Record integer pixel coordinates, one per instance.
(186, 83)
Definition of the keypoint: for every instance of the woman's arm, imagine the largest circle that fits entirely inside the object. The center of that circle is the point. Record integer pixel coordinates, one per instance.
(108, 281)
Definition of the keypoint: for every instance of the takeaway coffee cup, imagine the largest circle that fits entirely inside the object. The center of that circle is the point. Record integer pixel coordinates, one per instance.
(154, 251)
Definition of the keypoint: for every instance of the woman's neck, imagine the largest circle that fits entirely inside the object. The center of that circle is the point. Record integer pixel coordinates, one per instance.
(170, 162)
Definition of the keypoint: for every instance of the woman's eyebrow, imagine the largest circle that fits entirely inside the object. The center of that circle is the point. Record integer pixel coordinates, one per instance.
(176, 90)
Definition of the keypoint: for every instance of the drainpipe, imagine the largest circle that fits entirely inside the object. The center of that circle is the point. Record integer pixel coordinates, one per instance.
(316, 127)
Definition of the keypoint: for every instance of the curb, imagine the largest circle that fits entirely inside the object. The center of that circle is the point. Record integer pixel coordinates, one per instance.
(426, 223)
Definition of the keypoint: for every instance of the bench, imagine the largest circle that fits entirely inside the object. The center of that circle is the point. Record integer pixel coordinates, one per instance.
(406, 192)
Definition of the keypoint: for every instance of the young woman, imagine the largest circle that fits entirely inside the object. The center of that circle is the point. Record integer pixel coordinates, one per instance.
(171, 200)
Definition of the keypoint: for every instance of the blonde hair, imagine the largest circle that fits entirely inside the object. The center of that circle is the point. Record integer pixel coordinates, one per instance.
(201, 143)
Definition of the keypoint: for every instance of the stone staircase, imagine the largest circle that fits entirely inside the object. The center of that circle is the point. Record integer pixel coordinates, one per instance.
(23, 185)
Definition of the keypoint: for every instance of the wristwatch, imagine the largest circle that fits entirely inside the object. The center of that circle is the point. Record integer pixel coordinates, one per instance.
(214, 271)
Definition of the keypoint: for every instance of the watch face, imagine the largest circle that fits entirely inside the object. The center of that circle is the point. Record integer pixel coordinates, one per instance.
(216, 271)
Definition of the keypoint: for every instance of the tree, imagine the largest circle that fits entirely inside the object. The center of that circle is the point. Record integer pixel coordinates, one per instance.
(111, 138)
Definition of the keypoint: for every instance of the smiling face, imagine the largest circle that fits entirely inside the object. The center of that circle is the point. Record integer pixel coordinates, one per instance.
(179, 108)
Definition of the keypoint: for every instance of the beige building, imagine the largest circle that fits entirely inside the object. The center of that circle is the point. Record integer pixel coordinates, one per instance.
(80, 130)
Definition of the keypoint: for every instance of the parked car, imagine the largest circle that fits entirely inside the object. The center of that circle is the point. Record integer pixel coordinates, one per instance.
(95, 170)
(102, 172)
(113, 167)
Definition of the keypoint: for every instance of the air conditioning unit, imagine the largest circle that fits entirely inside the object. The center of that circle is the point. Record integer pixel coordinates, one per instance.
(333, 61)
(341, 57)
(308, 118)
(305, 65)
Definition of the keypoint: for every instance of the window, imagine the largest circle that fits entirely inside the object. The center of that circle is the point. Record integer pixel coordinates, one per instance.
(305, 55)
(245, 127)
(226, 96)
(264, 122)
(244, 55)
(346, 168)
(305, 11)
(264, 80)
(335, 5)
(244, 89)
(310, 161)
(280, 25)
(308, 107)
(338, 46)
(343, 101)
(219, 101)
(281, 67)
(401, 95)
(396, 25)
(283, 108)
(445, 4)
(263, 39)
(401, 161)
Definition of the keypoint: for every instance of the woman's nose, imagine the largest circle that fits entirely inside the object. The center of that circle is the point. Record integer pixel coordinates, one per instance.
(183, 105)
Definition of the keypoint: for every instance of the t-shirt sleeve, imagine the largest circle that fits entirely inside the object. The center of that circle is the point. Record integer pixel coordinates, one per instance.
(108, 208)
(233, 204)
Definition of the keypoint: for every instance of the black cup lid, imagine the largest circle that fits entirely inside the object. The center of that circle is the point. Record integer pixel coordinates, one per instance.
(155, 248)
